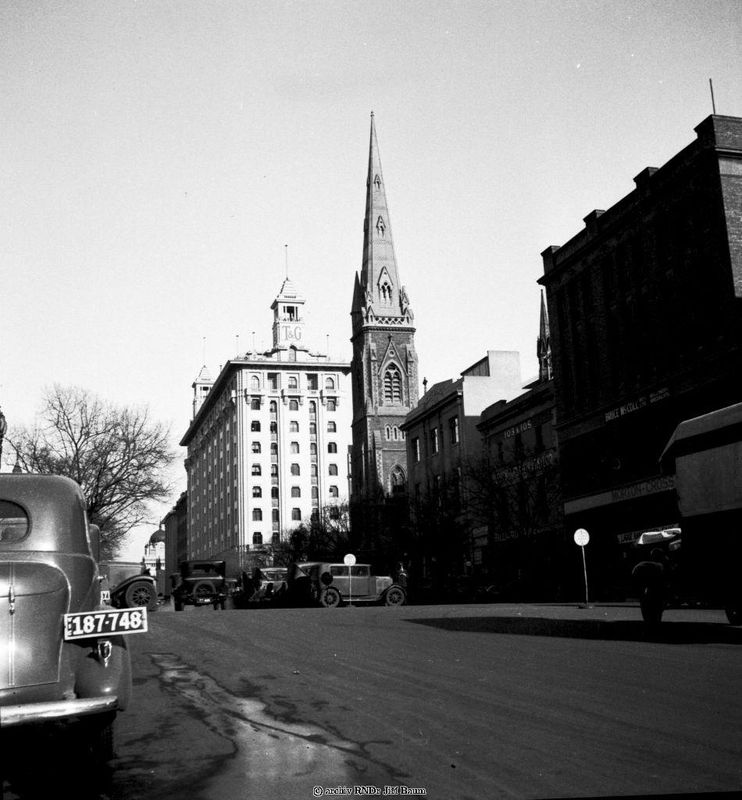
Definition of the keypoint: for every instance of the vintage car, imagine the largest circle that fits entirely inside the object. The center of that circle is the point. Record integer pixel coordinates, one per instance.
(64, 658)
(200, 583)
(137, 590)
(333, 584)
(268, 586)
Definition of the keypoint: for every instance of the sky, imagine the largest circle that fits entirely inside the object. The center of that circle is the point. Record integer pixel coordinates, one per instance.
(164, 164)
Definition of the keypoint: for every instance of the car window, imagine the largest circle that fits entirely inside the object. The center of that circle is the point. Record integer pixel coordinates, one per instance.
(13, 522)
(361, 571)
(338, 569)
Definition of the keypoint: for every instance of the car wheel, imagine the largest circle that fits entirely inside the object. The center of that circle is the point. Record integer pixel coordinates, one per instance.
(395, 596)
(651, 605)
(141, 594)
(98, 739)
(203, 591)
(330, 597)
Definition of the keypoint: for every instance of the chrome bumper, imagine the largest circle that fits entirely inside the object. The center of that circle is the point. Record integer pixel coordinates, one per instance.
(29, 713)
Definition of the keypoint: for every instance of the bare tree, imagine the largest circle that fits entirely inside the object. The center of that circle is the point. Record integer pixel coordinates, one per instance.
(117, 455)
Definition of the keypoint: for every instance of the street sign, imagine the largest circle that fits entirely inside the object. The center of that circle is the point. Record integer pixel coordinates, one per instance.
(582, 537)
(349, 560)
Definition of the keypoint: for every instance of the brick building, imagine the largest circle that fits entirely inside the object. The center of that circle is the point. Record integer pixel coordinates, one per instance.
(645, 306)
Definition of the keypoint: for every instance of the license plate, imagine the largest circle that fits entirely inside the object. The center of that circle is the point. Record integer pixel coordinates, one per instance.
(87, 624)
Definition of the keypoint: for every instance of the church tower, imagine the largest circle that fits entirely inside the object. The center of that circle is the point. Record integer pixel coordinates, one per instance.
(384, 365)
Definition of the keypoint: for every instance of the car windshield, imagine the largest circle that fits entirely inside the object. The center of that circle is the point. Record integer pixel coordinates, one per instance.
(13, 522)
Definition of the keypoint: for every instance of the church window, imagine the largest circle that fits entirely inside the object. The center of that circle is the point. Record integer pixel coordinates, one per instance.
(393, 385)
(397, 479)
(377, 182)
(385, 292)
(380, 227)
(388, 433)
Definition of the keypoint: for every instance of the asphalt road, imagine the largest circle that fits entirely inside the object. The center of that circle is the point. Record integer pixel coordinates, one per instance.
(464, 702)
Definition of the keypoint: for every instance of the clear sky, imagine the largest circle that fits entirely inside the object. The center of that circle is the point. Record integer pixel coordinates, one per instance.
(157, 156)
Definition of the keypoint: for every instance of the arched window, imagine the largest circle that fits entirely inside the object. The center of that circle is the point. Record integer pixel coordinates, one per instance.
(330, 384)
(257, 538)
(313, 448)
(255, 383)
(333, 469)
(334, 491)
(293, 405)
(313, 470)
(331, 404)
(294, 447)
(273, 407)
(257, 491)
(392, 385)
(332, 427)
(312, 408)
(332, 447)
(294, 426)
(388, 433)
(257, 515)
(397, 479)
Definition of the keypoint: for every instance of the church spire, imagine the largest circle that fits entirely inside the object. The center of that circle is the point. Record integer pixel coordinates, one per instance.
(378, 291)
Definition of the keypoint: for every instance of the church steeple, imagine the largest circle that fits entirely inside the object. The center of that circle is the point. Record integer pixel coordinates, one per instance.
(384, 365)
(378, 291)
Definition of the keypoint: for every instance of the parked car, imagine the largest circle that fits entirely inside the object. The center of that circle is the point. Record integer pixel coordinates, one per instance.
(268, 585)
(332, 584)
(65, 656)
(200, 583)
(137, 590)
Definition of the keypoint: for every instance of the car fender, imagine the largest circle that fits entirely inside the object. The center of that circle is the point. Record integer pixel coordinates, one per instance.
(118, 593)
(97, 676)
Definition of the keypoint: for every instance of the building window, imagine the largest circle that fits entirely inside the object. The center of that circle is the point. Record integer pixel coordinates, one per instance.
(255, 383)
(293, 382)
(334, 492)
(257, 538)
(295, 491)
(294, 447)
(454, 425)
(293, 405)
(295, 469)
(312, 383)
(273, 407)
(294, 426)
(332, 469)
(257, 491)
(274, 492)
(330, 384)
(313, 470)
(255, 404)
(256, 469)
(273, 381)
(274, 448)
(275, 517)
(255, 426)
(416, 448)
(257, 515)
(315, 493)
(392, 385)
(434, 440)
(331, 405)
(296, 514)
(312, 428)
(387, 433)
(313, 448)
(274, 426)
(256, 447)
(332, 427)
(332, 447)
